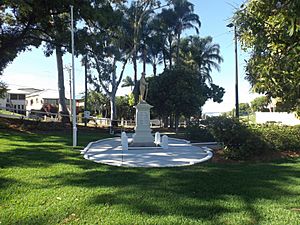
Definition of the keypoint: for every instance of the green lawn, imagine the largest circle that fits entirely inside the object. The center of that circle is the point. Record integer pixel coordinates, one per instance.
(44, 181)
(4, 112)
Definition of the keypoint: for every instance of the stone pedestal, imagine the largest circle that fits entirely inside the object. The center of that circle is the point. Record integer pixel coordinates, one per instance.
(142, 136)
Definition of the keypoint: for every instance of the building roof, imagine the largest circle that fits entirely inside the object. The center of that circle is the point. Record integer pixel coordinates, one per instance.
(45, 94)
(48, 94)
(24, 91)
(42, 93)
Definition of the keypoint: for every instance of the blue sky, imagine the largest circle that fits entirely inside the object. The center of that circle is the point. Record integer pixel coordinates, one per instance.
(33, 69)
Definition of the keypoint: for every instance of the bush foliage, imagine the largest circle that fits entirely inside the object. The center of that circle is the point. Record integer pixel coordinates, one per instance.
(243, 141)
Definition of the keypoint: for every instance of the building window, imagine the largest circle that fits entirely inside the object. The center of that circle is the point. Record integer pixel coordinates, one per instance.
(37, 100)
(13, 96)
(31, 102)
(21, 97)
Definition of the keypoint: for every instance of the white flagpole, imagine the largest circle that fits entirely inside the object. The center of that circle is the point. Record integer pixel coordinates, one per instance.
(73, 79)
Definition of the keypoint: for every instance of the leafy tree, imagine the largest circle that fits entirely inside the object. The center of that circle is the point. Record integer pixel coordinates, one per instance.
(260, 104)
(17, 22)
(180, 92)
(3, 89)
(97, 102)
(244, 108)
(271, 31)
(50, 28)
(115, 48)
(125, 110)
(31, 23)
(104, 56)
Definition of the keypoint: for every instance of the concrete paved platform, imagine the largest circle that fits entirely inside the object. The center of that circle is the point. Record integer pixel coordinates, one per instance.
(179, 153)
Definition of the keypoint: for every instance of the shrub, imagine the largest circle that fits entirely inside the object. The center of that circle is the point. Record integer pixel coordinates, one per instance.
(240, 141)
(281, 138)
(243, 141)
(199, 133)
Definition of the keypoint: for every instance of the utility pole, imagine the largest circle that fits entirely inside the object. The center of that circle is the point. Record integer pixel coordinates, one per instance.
(237, 111)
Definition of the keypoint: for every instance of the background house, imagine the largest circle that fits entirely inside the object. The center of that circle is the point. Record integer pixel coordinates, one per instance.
(15, 99)
(27, 100)
(47, 99)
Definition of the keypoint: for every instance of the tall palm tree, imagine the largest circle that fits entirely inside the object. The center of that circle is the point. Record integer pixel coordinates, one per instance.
(129, 23)
(185, 19)
(135, 22)
(155, 44)
(201, 54)
(128, 82)
(167, 25)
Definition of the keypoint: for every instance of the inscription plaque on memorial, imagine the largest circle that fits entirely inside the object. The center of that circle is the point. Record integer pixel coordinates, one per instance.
(144, 118)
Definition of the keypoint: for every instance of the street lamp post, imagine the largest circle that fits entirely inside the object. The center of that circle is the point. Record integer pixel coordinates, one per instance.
(73, 77)
(236, 72)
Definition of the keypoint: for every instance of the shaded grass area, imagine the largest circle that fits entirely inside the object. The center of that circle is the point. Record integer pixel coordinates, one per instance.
(44, 181)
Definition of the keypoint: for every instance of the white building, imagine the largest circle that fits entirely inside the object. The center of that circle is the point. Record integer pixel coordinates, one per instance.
(15, 99)
(24, 100)
(36, 100)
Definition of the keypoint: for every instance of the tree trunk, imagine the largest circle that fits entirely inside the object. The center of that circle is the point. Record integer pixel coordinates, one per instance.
(134, 67)
(62, 107)
(144, 59)
(177, 49)
(187, 120)
(165, 59)
(171, 121)
(165, 121)
(170, 52)
(113, 112)
(154, 69)
(176, 122)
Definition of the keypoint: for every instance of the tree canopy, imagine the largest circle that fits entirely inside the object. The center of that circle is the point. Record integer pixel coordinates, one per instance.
(271, 31)
(110, 34)
(180, 92)
(260, 104)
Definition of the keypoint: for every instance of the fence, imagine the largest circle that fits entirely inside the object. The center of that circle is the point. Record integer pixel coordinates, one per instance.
(9, 112)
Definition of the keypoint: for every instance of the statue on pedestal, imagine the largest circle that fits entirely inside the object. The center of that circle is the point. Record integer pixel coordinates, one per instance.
(143, 88)
(142, 136)
(140, 90)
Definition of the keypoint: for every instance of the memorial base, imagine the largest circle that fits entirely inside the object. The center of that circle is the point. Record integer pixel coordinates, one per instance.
(142, 136)
(142, 144)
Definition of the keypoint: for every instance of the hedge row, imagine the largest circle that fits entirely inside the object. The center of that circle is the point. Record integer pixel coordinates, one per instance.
(241, 140)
